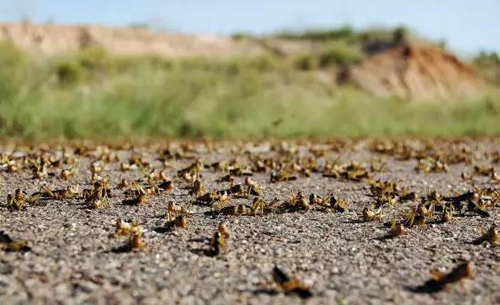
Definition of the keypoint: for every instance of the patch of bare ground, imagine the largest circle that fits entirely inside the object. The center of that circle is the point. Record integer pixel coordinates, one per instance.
(141, 223)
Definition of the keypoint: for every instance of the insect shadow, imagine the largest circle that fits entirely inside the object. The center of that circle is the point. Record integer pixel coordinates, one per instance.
(430, 287)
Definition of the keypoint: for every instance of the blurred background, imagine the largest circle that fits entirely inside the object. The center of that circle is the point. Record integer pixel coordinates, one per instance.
(235, 69)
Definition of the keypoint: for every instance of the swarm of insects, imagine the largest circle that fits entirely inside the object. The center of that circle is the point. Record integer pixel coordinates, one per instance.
(431, 165)
(470, 202)
(229, 189)
(351, 171)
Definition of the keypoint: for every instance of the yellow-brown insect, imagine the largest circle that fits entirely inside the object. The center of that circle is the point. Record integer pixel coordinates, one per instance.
(136, 241)
(370, 214)
(133, 231)
(11, 245)
(173, 210)
(35, 198)
(125, 184)
(67, 174)
(198, 188)
(125, 228)
(40, 172)
(236, 210)
(98, 198)
(491, 236)
(166, 186)
(316, 200)
(218, 244)
(100, 203)
(252, 187)
(12, 166)
(297, 202)
(291, 285)
(397, 229)
(258, 204)
(20, 195)
(178, 222)
(17, 201)
(447, 215)
(224, 230)
(95, 170)
(340, 205)
(282, 176)
(141, 198)
(415, 218)
(440, 281)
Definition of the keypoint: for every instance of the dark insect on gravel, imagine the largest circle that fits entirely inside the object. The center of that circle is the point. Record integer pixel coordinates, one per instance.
(289, 285)
(11, 245)
(440, 281)
(491, 236)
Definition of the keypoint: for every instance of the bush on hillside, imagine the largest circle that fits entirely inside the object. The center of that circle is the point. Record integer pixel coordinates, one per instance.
(340, 54)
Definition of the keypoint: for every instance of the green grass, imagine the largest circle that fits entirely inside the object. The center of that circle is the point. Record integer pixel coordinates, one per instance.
(93, 95)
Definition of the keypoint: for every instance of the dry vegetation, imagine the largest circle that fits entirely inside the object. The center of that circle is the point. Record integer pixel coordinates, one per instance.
(91, 94)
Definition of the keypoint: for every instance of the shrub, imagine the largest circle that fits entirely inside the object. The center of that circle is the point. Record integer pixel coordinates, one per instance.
(340, 54)
(400, 34)
(306, 62)
(345, 32)
(241, 36)
(95, 59)
(69, 73)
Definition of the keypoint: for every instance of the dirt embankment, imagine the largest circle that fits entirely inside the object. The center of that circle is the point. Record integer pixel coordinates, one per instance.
(413, 70)
(52, 39)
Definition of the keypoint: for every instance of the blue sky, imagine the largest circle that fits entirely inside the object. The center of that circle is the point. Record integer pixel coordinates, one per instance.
(466, 25)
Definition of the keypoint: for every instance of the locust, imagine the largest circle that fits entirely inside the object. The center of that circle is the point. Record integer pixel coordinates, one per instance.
(440, 280)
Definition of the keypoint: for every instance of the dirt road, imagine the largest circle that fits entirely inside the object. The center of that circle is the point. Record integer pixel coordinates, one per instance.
(72, 255)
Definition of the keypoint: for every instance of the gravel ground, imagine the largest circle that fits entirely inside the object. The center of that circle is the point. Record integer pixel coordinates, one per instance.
(342, 259)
